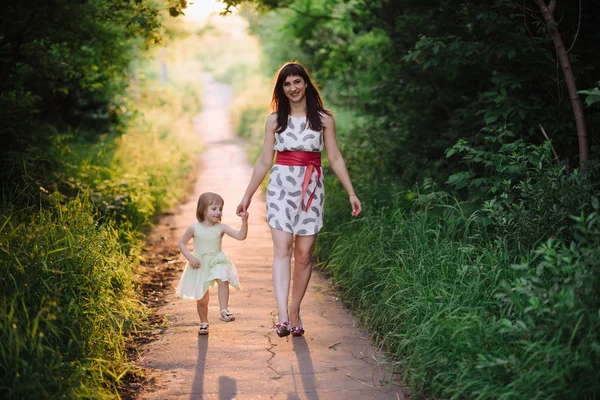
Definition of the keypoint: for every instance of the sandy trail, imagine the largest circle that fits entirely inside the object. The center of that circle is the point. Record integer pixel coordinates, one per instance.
(245, 359)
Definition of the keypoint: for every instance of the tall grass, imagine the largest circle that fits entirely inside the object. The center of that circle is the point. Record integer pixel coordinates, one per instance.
(68, 301)
(459, 318)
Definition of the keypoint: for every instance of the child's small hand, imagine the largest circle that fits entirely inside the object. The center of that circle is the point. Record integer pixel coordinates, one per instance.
(245, 216)
(194, 263)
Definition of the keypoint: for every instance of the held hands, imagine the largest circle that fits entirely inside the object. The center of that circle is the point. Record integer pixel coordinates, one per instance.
(356, 206)
(194, 262)
(245, 216)
(242, 208)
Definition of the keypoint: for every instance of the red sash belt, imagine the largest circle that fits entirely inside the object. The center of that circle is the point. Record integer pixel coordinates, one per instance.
(309, 159)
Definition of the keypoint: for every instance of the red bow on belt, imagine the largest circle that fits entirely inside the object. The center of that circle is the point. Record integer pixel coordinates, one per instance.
(308, 159)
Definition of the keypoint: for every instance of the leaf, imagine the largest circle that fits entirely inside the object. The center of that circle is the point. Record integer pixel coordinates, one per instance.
(592, 99)
(491, 118)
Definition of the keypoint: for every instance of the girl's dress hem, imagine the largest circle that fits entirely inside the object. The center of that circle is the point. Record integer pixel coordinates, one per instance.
(214, 265)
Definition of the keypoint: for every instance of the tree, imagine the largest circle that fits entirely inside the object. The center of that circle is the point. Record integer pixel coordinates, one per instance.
(565, 64)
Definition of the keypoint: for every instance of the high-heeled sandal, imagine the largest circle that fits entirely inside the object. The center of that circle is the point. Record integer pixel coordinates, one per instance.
(226, 316)
(283, 329)
(203, 330)
(298, 331)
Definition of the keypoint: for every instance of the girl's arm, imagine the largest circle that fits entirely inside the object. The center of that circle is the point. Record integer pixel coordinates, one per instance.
(189, 233)
(242, 233)
(263, 164)
(334, 155)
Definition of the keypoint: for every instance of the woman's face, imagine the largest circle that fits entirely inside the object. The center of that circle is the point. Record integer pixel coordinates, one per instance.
(294, 88)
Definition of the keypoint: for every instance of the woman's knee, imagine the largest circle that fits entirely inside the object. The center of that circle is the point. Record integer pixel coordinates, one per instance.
(303, 256)
(283, 250)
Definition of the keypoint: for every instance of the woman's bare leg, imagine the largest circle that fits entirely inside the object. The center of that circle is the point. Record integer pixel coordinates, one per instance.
(282, 245)
(303, 247)
(202, 306)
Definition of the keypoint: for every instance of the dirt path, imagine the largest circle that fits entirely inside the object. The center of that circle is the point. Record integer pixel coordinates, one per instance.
(245, 359)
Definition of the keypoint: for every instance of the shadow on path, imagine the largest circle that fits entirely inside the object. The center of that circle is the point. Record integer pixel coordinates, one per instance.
(197, 390)
(227, 388)
(306, 371)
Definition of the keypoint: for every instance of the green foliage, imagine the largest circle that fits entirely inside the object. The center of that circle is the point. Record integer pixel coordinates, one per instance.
(440, 295)
(132, 177)
(527, 197)
(592, 95)
(63, 66)
(466, 93)
(551, 319)
(70, 241)
(425, 74)
(66, 303)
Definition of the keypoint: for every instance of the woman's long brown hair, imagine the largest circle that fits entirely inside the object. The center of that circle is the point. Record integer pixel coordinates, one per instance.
(281, 104)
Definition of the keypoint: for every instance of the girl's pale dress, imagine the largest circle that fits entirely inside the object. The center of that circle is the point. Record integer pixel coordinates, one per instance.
(214, 265)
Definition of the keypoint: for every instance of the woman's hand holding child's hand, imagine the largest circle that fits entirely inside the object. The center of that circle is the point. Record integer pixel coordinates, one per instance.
(242, 207)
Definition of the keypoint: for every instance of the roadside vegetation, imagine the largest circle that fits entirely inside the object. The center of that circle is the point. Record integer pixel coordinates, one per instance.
(475, 154)
(470, 130)
(99, 139)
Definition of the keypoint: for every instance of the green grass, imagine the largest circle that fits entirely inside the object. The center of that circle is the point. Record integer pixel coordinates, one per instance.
(68, 300)
(458, 318)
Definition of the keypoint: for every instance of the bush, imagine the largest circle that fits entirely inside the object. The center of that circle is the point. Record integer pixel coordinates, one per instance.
(527, 197)
(551, 321)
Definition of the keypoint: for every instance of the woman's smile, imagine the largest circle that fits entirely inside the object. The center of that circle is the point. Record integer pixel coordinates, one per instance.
(294, 87)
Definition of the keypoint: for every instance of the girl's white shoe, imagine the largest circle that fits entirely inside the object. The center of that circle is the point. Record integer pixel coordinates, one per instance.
(226, 316)
(203, 330)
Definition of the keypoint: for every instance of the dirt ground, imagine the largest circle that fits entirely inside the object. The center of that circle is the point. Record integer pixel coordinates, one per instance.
(246, 359)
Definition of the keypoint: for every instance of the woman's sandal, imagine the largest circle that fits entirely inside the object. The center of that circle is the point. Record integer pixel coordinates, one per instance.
(226, 316)
(203, 330)
(298, 331)
(283, 329)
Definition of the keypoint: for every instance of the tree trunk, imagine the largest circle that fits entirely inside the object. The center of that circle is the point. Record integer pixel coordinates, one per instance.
(563, 58)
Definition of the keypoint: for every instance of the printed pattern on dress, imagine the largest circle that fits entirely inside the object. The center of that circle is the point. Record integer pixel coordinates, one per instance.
(285, 183)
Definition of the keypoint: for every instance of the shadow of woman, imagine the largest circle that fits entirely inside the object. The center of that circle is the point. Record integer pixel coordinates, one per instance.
(197, 390)
(307, 373)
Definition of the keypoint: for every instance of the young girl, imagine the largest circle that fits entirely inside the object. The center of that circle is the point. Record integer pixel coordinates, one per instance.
(208, 265)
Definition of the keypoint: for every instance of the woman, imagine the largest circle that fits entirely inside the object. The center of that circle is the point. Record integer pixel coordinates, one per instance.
(297, 130)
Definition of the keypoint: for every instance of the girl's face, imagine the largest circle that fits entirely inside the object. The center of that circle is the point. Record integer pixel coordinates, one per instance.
(214, 212)
(294, 88)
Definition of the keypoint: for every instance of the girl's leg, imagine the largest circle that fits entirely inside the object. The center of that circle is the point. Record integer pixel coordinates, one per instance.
(282, 245)
(202, 306)
(302, 271)
(223, 294)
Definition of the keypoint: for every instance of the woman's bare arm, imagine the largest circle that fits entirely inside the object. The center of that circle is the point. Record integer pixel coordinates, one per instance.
(334, 155)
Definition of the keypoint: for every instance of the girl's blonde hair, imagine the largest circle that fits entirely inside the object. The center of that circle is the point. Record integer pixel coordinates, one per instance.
(205, 200)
